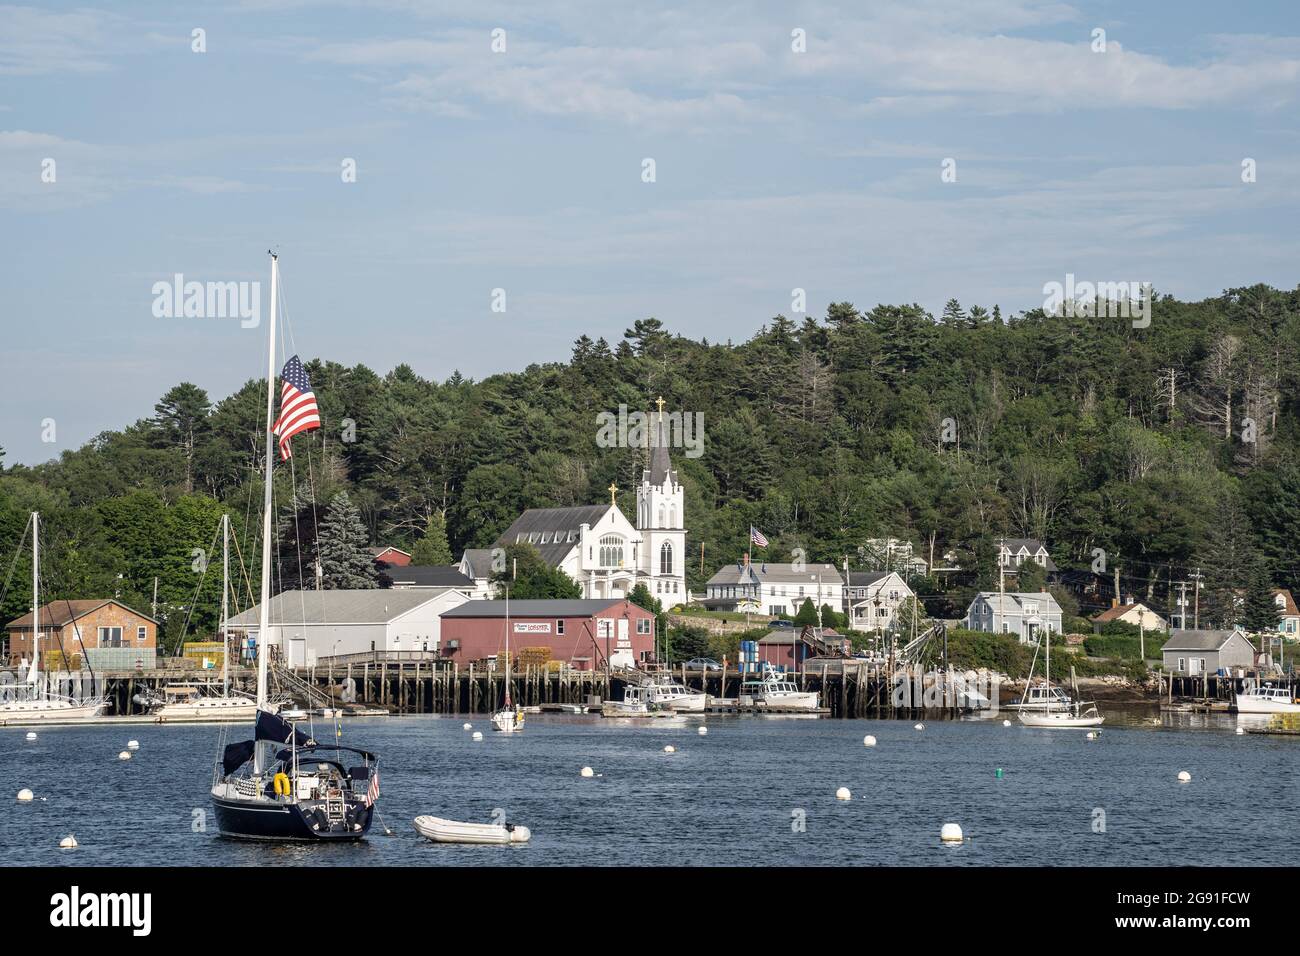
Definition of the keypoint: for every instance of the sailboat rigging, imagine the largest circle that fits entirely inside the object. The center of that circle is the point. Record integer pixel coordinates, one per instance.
(42, 706)
(1069, 712)
(509, 718)
(282, 784)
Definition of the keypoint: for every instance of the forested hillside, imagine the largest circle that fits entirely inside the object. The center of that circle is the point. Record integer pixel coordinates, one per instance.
(1170, 447)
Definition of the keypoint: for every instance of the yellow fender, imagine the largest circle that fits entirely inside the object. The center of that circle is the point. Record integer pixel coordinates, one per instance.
(281, 784)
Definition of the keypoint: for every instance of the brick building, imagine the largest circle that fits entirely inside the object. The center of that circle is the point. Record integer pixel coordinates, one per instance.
(69, 627)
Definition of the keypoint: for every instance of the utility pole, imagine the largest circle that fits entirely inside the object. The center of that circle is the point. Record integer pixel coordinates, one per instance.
(1118, 600)
(1182, 605)
(997, 621)
(1196, 598)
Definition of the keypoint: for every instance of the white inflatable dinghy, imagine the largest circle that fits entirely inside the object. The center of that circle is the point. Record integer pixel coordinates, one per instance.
(450, 831)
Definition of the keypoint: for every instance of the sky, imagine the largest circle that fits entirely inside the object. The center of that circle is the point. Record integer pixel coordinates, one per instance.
(869, 152)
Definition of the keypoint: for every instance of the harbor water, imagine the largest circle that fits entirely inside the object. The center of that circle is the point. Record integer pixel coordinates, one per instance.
(755, 791)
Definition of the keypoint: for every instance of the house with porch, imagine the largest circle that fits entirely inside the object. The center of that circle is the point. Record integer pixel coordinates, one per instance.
(770, 588)
(872, 599)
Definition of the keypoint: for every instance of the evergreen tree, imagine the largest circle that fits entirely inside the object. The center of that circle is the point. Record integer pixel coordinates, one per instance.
(528, 576)
(345, 558)
(807, 613)
(433, 547)
(1260, 612)
(954, 314)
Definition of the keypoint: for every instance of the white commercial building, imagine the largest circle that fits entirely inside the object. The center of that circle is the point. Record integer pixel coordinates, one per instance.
(309, 626)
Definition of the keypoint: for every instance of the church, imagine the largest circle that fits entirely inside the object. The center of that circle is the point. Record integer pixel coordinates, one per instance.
(598, 547)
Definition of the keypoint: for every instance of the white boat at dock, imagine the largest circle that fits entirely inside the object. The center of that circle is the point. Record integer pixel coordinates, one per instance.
(772, 690)
(635, 703)
(187, 703)
(1267, 699)
(672, 694)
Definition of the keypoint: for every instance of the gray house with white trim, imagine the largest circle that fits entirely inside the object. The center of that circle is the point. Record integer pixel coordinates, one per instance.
(1025, 614)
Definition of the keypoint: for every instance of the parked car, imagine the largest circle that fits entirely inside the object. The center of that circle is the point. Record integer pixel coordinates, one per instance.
(703, 664)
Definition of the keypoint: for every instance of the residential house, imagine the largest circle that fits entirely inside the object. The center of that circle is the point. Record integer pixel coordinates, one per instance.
(893, 554)
(308, 626)
(771, 588)
(101, 632)
(1190, 652)
(1024, 614)
(476, 564)
(1288, 624)
(1135, 613)
(872, 599)
(430, 576)
(1019, 551)
(395, 557)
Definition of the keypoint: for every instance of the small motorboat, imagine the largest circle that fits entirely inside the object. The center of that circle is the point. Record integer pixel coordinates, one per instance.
(635, 703)
(452, 831)
(668, 693)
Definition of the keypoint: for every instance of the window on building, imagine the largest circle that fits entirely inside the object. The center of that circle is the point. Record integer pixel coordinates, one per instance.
(643, 626)
(1182, 663)
(559, 625)
(611, 551)
(141, 634)
(110, 637)
(666, 558)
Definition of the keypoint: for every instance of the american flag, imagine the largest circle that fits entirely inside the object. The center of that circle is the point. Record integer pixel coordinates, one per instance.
(298, 409)
(757, 537)
(372, 791)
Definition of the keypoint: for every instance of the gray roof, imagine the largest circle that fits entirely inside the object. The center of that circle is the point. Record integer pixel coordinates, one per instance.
(770, 573)
(369, 606)
(1032, 546)
(479, 561)
(861, 579)
(661, 467)
(549, 529)
(579, 607)
(427, 576)
(1189, 640)
(1013, 601)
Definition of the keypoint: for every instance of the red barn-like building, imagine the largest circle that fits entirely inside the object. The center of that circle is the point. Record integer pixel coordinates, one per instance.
(582, 633)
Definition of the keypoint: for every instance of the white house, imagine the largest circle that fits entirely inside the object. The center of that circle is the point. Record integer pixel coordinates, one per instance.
(309, 626)
(872, 599)
(598, 547)
(1025, 614)
(1288, 621)
(768, 588)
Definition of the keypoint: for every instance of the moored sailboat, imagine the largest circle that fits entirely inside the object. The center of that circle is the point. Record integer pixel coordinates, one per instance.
(1073, 713)
(509, 718)
(282, 784)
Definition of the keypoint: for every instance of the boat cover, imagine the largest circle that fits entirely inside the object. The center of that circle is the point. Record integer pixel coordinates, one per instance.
(275, 728)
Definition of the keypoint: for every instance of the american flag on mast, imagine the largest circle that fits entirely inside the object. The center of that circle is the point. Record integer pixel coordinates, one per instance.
(298, 409)
(372, 791)
(756, 537)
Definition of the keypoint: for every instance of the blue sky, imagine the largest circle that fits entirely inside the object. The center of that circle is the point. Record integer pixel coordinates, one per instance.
(521, 170)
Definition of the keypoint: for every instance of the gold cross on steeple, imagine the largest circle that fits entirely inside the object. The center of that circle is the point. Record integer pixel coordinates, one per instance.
(660, 402)
(613, 490)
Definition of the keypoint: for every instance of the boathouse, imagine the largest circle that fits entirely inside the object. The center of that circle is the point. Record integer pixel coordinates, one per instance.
(309, 627)
(582, 633)
(1196, 653)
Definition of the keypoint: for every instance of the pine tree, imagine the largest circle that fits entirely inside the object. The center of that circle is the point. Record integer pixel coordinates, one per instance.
(1260, 612)
(953, 313)
(433, 547)
(345, 557)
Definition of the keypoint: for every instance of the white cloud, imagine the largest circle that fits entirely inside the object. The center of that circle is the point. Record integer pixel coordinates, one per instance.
(35, 41)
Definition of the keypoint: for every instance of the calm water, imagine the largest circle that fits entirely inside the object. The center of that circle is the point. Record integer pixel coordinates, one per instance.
(727, 798)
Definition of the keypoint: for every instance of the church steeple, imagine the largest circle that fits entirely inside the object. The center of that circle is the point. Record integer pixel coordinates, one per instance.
(661, 466)
(661, 517)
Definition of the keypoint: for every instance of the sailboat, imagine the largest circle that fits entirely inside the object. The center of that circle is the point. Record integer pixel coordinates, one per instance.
(41, 706)
(509, 718)
(188, 702)
(1073, 713)
(283, 785)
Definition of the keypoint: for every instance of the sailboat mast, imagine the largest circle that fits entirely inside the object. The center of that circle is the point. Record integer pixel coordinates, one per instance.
(264, 608)
(507, 647)
(225, 605)
(36, 598)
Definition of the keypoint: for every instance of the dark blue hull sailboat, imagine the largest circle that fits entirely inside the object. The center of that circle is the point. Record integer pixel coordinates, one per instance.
(282, 785)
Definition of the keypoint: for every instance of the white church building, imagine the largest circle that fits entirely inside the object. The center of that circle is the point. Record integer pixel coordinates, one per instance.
(598, 547)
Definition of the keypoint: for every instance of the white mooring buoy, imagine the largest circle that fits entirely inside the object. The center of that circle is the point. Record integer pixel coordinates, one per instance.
(1241, 730)
(466, 726)
(1184, 777)
(868, 741)
(670, 749)
(1091, 735)
(843, 794)
(25, 796)
(133, 745)
(950, 833)
(124, 755)
(919, 727)
(31, 735)
(69, 842)
(586, 772)
(1006, 723)
(478, 735)
(703, 731)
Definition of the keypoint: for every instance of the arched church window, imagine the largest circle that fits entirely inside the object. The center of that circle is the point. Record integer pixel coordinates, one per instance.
(661, 518)
(611, 551)
(666, 559)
